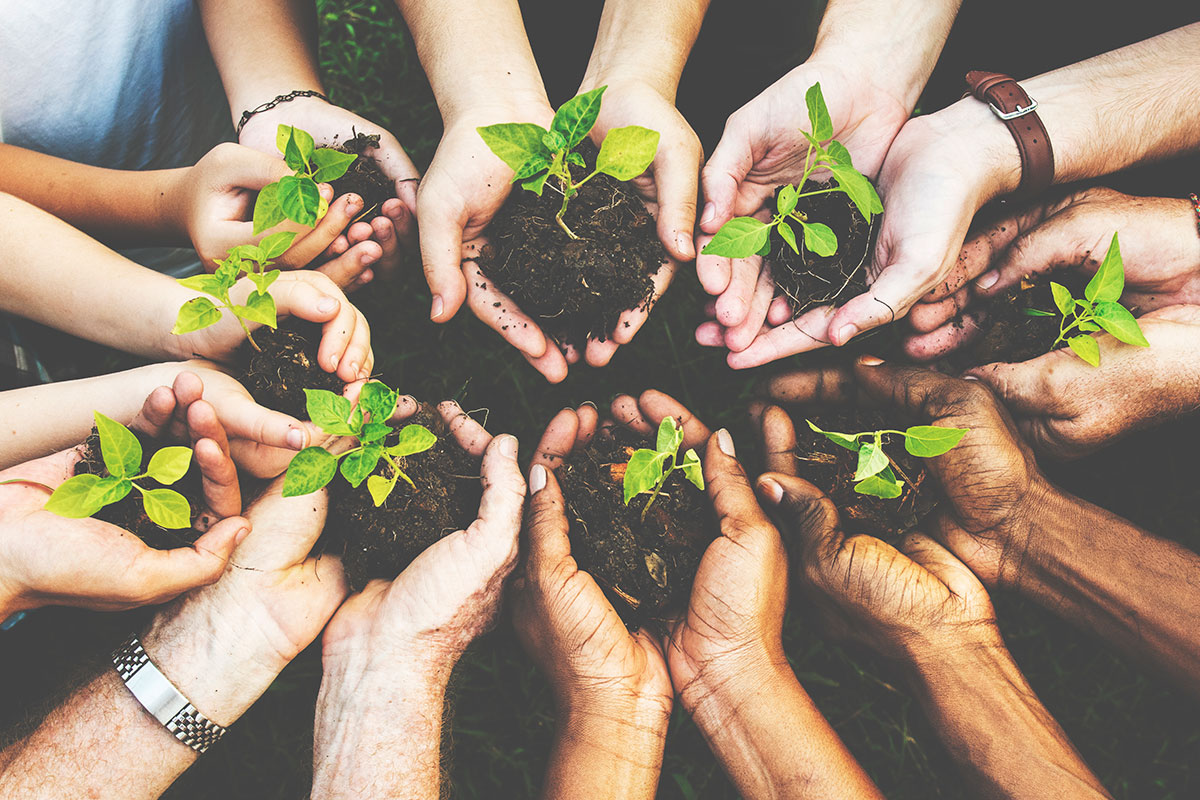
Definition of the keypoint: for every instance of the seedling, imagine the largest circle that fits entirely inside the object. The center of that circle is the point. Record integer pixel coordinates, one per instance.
(314, 467)
(1098, 310)
(743, 237)
(535, 154)
(648, 470)
(296, 197)
(875, 473)
(84, 495)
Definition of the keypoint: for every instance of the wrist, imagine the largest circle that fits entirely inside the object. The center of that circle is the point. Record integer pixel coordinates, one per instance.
(248, 98)
(611, 712)
(969, 134)
(490, 107)
(718, 691)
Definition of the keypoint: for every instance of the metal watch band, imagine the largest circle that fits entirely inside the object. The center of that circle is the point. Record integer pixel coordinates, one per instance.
(161, 699)
(1018, 111)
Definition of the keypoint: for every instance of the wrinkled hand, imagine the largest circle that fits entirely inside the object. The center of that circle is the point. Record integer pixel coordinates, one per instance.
(393, 225)
(1159, 247)
(46, 559)
(762, 148)
(893, 600)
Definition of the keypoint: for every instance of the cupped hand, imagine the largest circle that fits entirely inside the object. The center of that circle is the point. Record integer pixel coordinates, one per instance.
(46, 559)
(1159, 247)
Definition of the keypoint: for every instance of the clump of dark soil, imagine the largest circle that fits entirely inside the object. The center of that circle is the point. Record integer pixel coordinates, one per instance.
(645, 566)
(831, 468)
(128, 512)
(379, 542)
(575, 288)
(809, 280)
(286, 364)
(365, 177)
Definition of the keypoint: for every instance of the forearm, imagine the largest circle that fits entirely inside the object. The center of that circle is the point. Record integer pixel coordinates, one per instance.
(122, 207)
(607, 751)
(1003, 738)
(645, 42)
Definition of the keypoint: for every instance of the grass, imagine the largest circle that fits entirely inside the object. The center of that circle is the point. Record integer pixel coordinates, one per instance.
(1138, 734)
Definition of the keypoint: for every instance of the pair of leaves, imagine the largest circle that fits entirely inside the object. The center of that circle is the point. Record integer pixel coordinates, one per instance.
(297, 197)
(646, 469)
(1100, 309)
(874, 473)
(743, 237)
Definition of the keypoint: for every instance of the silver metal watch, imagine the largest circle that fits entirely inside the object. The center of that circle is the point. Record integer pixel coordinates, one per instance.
(160, 697)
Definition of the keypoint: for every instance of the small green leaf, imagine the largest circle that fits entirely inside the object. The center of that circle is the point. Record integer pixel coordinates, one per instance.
(311, 468)
(1086, 348)
(882, 485)
(789, 236)
(300, 199)
(373, 432)
(532, 167)
(576, 159)
(378, 400)
(1035, 312)
(765, 250)
(380, 487)
(838, 154)
(413, 439)
(670, 436)
(169, 464)
(209, 284)
(275, 245)
(1062, 298)
(330, 164)
(575, 118)
(819, 238)
(73, 498)
(267, 211)
(788, 197)
(927, 441)
(121, 449)
(263, 280)
(626, 152)
(693, 470)
(109, 490)
(247, 252)
(1088, 327)
(228, 273)
(515, 142)
(554, 141)
(259, 308)
(329, 411)
(298, 148)
(858, 189)
(358, 464)
(819, 120)
(642, 473)
(871, 461)
(842, 439)
(1109, 281)
(1116, 319)
(536, 183)
(167, 508)
(741, 237)
(196, 314)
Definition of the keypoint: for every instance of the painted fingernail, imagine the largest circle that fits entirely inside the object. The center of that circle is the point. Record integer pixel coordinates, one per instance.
(328, 305)
(537, 479)
(870, 361)
(771, 490)
(725, 442)
(295, 439)
(508, 446)
(988, 279)
(710, 211)
(437, 308)
(240, 536)
(846, 333)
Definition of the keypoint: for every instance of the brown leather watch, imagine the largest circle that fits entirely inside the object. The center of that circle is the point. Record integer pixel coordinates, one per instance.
(1017, 110)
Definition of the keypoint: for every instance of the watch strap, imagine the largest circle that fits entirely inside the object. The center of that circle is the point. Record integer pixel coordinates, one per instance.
(1018, 111)
(161, 699)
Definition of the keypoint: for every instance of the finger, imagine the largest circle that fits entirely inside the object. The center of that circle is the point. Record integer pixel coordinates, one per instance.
(589, 419)
(809, 331)
(546, 523)
(941, 563)
(164, 574)
(733, 305)
(383, 232)
(779, 312)
(243, 418)
(731, 161)
(710, 334)
(502, 503)
(888, 299)
(676, 178)
(713, 272)
(632, 320)
(825, 385)
(655, 406)
(1024, 387)
(779, 440)
(625, 411)
(558, 440)
(469, 434)
(598, 353)
(441, 244)
(1058, 242)
(358, 360)
(923, 393)
(219, 479)
(157, 412)
(348, 269)
(929, 316)
(497, 310)
(312, 243)
(552, 365)
(400, 213)
(741, 335)
(946, 339)
(738, 513)
(806, 515)
(406, 408)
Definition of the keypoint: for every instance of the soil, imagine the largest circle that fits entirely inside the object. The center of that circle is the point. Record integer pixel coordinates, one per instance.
(128, 513)
(810, 280)
(277, 376)
(831, 468)
(645, 566)
(575, 288)
(381, 542)
(365, 177)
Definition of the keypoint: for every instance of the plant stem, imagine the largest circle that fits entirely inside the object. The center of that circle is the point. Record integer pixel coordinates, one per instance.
(559, 217)
(30, 482)
(249, 336)
(818, 191)
(657, 490)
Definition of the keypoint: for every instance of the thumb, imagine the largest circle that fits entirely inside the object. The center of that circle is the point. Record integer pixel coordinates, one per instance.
(805, 512)
(1058, 242)
(545, 524)
(441, 242)
(731, 161)
(677, 175)
(941, 563)
(1022, 387)
(247, 168)
(164, 574)
(297, 295)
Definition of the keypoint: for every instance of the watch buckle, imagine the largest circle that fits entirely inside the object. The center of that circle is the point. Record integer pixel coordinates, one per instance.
(1019, 112)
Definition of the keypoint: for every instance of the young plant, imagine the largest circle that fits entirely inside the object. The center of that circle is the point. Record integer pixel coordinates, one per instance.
(84, 495)
(536, 154)
(648, 470)
(875, 474)
(1098, 310)
(314, 467)
(296, 196)
(743, 237)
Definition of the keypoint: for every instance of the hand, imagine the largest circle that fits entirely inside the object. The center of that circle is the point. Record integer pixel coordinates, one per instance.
(46, 559)
(762, 148)
(1159, 247)
(918, 598)
(213, 202)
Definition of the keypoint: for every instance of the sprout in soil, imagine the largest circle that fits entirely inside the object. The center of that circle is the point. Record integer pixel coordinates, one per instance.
(875, 475)
(648, 470)
(368, 422)
(1098, 310)
(743, 237)
(536, 154)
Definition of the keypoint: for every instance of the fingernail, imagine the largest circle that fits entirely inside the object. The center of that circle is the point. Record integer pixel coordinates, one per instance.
(295, 439)
(368, 257)
(970, 377)
(870, 361)
(683, 244)
(363, 374)
(508, 446)
(537, 479)
(725, 442)
(771, 490)
(328, 304)
(326, 191)
(846, 333)
(240, 536)
(354, 201)
(589, 403)
(710, 211)
(988, 279)
(437, 308)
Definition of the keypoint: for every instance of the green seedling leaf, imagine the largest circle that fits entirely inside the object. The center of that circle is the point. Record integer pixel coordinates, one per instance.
(642, 473)
(818, 114)
(1086, 348)
(670, 436)
(330, 412)
(73, 498)
(358, 464)
(1035, 312)
(267, 211)
(246, 252)
(167, 508)
(576, 159)
(554, 141)
(626, 152)
(109, 490)
(838, 154)
(196, 314)
(228, 273)
(576, 117)
(882, 485)
(121, 450)
(330, 164)
(871, 461)
(515, 142)
(263, 280)
(819, 238)
(374, 432)
(259, 308)
(1116, 319)
(380, 487)
(693, 470)
(209, 284)
(169, 464)
(1062, 298)
(413, 439)
(927, 441)
(536, 183)
(788, 197)
(378, 401)
(533, 166)
(275, 245)
(1109, 281)
(1088, 327)
(858, 189)
(297, 147)
(842, 439)
(300, 199)
(789, 236)
(311, 468)
(741, 237)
